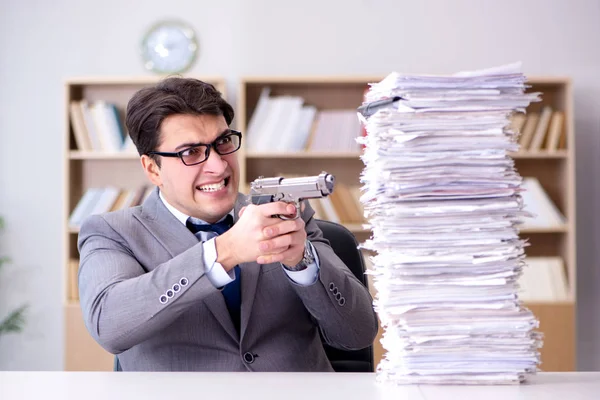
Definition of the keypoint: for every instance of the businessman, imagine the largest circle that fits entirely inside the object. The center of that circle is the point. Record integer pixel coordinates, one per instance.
(195, 279)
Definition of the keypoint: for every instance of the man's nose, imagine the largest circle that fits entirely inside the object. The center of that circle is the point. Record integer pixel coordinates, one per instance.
(214, 162)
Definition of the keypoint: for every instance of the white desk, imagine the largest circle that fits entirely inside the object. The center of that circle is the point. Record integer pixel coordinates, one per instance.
(279, 386)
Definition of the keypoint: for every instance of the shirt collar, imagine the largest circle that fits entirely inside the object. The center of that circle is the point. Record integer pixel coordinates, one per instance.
(181, 217)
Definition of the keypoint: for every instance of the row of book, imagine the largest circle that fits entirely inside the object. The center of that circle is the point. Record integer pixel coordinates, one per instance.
(545, 213)
(98, 126)
(286, 123)
(99, 200)
(543, 280)
(541, 131)
(342, 206)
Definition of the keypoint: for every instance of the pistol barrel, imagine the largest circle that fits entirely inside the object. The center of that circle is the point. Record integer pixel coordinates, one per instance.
(293, 189)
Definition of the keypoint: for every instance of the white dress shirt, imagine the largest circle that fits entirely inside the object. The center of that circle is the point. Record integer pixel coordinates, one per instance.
(216, 273)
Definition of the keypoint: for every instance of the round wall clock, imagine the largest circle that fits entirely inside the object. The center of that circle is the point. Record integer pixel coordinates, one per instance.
(169, 47)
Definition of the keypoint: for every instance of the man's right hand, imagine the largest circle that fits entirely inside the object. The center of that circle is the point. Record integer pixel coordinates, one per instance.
(257, 235)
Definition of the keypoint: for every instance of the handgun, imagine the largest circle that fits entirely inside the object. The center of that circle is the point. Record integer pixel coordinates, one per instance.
(291, 190)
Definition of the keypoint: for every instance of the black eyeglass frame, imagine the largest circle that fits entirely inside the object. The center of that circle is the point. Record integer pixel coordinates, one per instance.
(208, 146)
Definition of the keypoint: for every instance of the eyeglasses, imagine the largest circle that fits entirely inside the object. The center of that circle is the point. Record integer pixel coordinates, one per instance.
(196, 154)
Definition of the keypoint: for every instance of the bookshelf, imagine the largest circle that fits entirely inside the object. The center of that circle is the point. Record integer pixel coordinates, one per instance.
(89, 169)
(553, 168)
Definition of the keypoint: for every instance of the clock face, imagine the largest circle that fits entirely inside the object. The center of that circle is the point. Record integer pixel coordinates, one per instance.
(169, 47)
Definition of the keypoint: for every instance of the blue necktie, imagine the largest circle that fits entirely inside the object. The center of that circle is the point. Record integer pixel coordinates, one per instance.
(232, 291)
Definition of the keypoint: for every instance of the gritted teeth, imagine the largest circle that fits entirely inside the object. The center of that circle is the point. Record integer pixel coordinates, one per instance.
(212, 187)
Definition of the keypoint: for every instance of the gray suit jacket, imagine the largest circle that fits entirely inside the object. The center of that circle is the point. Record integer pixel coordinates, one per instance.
(132, 257)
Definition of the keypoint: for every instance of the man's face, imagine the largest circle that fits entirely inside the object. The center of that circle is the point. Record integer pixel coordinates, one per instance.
(207, 190)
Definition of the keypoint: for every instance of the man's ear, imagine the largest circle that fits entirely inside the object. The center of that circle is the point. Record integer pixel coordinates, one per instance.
(151, 169)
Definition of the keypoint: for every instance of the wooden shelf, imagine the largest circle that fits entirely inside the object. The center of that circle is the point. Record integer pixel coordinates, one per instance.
(555, 172)
(85, 170)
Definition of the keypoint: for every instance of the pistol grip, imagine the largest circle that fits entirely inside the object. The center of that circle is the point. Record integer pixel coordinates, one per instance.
(261, 199)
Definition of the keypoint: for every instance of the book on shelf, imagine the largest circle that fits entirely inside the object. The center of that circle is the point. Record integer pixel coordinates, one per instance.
(528, 129)
(540, 131)
(555, 131)
(537, 202)
(336, 130)
(97, 126)
(99, 200)
(79, 128)
(543, 279)
(287, 124)
(539, 135)
(341, 207)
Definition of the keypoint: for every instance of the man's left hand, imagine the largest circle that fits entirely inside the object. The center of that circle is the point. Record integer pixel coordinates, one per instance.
(284, 241)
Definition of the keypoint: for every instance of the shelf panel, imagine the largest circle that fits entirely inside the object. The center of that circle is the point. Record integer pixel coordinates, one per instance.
(553, 229)
(95, 155)
(562, 303)
(130, 80)
(304, 154)
(311, 79)
(75, 303)
(354, 228)
(358, 228)
(560, 154)
(91, 155)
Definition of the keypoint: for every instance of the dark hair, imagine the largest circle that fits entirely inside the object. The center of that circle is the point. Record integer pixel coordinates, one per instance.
(148, 108)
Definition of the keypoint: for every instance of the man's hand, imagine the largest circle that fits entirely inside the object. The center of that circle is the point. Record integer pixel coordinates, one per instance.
(257, 236)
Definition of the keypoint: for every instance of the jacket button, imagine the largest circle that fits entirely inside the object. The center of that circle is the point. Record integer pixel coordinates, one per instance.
(249, 358)
(331, 286)
(163, 299)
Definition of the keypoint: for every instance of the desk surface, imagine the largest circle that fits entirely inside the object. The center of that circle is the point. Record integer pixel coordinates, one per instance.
(286, 386)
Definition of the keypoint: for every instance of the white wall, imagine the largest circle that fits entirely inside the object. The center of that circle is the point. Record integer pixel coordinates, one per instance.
(43, 42)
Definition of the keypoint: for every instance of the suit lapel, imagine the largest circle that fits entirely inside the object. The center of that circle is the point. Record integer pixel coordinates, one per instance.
(170, 233)
(177, 238)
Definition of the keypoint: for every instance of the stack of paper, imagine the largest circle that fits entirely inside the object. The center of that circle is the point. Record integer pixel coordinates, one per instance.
(442, 198)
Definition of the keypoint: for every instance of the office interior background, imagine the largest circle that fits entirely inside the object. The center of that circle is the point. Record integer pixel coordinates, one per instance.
(45, 43)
